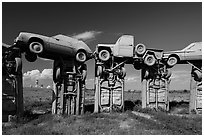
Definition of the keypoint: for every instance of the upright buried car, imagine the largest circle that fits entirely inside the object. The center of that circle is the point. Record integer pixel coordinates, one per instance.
(52, 47)
(192, 53)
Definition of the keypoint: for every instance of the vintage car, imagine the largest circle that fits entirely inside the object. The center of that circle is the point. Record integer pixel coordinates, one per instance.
(122, 48)
(191, 53)
(52, 47)
(112, 55)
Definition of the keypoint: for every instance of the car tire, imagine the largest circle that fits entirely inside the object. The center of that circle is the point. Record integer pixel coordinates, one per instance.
(31, 57)
(123, 73)
(168, 74)
(140, 49)
(137, 65)
(104, 55)
(149, 60)
(81, 56)
(197, 75)
(172, 61)
(57, 70)
(36, 47)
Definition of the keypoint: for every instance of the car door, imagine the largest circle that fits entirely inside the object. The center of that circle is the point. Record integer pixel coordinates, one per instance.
(60, 47)
(194, 52)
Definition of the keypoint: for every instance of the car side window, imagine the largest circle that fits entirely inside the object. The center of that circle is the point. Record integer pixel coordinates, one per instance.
(195, 47)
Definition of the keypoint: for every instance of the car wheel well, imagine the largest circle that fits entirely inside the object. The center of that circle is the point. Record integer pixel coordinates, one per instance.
(83, 50)
(36, 40)
(104, 48)
(174, 55)
(150, 53)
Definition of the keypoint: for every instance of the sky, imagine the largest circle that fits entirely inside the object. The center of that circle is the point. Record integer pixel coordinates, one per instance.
(167, 26)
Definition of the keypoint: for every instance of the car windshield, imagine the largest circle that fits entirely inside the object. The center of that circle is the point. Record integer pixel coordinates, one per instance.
(194, 46)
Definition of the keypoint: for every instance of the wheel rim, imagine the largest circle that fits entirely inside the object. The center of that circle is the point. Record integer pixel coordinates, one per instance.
(104, 55)
(150, 60)
(140, 49)
(172, 61)
(36, 47)
(81, 57)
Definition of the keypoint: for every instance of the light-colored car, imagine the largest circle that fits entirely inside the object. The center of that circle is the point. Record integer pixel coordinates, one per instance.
(59, 46)
(192, 52)
(122, 48)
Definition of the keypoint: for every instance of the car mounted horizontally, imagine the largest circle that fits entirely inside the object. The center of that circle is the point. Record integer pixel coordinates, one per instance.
(52, 47)
(192, 53)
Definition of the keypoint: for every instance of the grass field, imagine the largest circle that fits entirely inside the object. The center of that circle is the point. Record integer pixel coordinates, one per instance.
(135, 121)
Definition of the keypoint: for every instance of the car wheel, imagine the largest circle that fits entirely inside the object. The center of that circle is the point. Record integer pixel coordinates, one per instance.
(168, 74)
(31, 57)
(104, 55)
(36, 47)
(137, 65)
(172, 61)
(57, 71)
(149, 60)
(81, 57)
(140, 49)
(123, 73)
(197, 75)
(56, 74)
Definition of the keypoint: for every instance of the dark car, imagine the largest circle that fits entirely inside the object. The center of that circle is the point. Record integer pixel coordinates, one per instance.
(52, 47)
